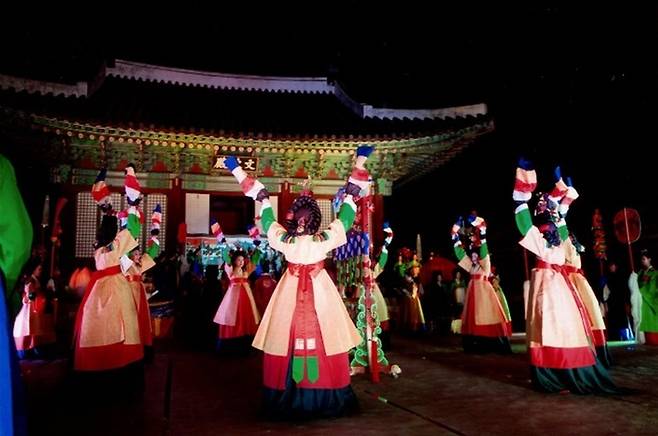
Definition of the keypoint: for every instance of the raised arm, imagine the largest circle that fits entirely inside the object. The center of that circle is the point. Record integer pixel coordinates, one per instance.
(456, 242)
(524, 186)
(266, 215)
(563, 208)
(555, 197)
(254, 189)
(462, 259)
(485, 260)
(481, 225)
(383, 256)
(254, 259)
(153, 245)
(358, 185)
(226, 256)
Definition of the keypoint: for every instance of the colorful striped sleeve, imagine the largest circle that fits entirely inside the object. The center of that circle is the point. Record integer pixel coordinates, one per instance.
(266, 215)
(347, 212)
(459, 252)
(562, 229)
(523, 219)
(226, 255)
(255, 257)
(484, 249)
(383, 257)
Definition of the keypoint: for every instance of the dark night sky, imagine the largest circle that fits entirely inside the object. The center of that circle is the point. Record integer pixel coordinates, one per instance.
(569, 85)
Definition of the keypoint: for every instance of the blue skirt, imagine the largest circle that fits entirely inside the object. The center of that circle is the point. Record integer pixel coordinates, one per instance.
(12, 412)
(296, 404)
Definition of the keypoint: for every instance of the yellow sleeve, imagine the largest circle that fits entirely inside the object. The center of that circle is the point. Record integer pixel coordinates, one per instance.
(466, 263)
(334, 236)
(533, 241)
(381, 262)
(124, 242)
(275, 234)
(147, 263)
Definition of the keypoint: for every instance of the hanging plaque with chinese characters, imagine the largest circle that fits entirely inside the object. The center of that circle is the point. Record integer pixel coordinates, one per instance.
(248, 163)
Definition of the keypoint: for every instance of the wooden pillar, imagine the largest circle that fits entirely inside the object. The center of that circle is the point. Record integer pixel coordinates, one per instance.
(377, 220)
(285, 201)
(176, 212)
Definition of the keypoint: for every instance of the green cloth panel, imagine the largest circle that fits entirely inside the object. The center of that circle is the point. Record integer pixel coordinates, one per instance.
(312, 369)
(297, 368)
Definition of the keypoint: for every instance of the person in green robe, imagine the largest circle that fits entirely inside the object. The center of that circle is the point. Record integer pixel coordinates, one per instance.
(15, 243)
(648, 283)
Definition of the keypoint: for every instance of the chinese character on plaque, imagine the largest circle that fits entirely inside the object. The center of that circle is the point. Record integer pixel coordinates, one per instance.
(248, 163)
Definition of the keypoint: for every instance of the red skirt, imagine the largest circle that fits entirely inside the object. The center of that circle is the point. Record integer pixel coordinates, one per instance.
(306, 342)
(107, 356)
(598, 337)
(245, 324)
(469, 326)
(103, 357)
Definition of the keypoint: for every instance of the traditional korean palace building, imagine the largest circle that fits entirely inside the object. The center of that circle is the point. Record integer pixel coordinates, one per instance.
(177, 126)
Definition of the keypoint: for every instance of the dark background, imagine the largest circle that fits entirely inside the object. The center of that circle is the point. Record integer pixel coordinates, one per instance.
(568, 85)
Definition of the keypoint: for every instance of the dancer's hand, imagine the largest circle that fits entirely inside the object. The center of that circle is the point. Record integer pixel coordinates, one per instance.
(525, 182)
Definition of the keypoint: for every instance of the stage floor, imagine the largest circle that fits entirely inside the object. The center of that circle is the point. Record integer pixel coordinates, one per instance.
(440, 391)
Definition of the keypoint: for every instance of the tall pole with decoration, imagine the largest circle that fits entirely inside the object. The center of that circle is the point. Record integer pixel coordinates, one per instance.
(355, 269)
(372, 327)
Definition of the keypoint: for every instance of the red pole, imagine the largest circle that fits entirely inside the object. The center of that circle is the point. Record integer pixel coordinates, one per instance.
(374, 365)
(176, 212)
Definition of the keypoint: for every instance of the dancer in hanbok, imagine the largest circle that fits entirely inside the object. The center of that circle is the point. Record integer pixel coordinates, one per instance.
(237, 315)
(306, 332)
(34, 327)
(558, 328)
(485, 326)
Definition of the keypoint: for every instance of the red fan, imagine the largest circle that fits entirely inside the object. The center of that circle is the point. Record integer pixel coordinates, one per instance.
(446, 266)
(627, 229)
